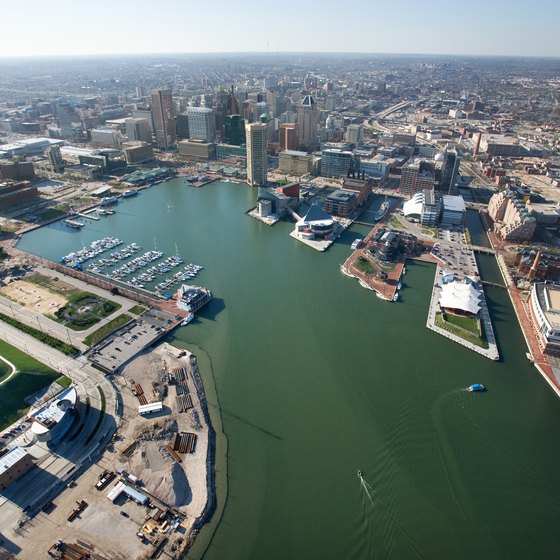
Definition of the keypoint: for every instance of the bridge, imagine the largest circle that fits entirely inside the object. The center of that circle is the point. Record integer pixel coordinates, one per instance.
(493, 284)
(480, 249)
(295, 216)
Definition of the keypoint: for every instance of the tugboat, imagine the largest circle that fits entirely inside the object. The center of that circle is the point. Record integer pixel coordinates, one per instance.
(477, 388)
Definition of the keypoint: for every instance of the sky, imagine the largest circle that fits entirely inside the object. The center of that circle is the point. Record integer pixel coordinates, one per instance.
(473, 27)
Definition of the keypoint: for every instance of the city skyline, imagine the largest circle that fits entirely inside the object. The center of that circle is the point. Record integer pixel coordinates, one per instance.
(494, 28)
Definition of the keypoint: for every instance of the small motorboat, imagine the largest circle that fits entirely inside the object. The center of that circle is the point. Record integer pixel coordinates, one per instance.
(360, 475)
(477, 388)
(187, 319)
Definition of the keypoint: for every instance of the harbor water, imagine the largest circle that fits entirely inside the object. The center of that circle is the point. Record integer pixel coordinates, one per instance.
(316, 378)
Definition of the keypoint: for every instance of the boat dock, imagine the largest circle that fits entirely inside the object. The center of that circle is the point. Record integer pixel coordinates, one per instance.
(89, 215)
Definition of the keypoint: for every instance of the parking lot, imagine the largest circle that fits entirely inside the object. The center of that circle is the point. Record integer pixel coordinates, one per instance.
(128, 341)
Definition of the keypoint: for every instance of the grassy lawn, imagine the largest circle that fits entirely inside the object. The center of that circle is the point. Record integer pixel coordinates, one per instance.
(33, 376)
(5, 370)
(395, 223)
(45, 338)
(468, 323)
(460, 332)
(363, 265)
(430, 231)
(50, 213)
(64, 381)
(137, 310)
(84, 309)
(107, 329)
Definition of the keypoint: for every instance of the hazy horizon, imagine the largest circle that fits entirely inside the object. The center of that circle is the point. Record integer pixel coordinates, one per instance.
(172, 27)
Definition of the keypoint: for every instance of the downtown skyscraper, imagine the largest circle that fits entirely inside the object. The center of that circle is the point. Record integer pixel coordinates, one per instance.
(257, 158)
(164, 118)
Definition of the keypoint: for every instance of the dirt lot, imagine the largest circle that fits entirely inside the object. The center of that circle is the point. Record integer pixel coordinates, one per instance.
(33, 296)
(110, 528)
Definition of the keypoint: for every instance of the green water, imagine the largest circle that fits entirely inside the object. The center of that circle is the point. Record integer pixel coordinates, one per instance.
(317, 377)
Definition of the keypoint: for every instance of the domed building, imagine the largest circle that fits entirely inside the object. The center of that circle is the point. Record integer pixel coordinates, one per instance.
(55, 418)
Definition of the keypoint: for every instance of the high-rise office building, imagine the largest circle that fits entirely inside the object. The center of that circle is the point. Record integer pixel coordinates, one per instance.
(288, 136)
(202, 123)
(417, 176)
(307, 119)
(355, 134)
(234, 130)
(449, 171)
(54, 156)
(138, 130)
(164, 118)
(257, 159)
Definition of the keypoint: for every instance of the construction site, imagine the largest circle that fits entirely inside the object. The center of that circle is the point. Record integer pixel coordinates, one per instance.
(150, 491)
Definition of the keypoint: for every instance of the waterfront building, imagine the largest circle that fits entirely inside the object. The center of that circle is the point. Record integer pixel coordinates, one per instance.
(234, 130)
(164, 118)
(15, 193)
(227, 151)
(288, 134)
(257, 158)
(202, 123)
(197, 150)
(416, 176)
(296, 163)
(138, 130)
(362, 187)
(316, 224)
(424, 207)
(182, 126)
(544, 312)
(460, 298)
(137, 152)
(453, 211)
(336, 162)
(13, 465)
(511, 220)
(341, 203)
(54, 419)
(307, 119)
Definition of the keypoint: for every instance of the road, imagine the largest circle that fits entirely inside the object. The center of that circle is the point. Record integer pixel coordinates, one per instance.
(60, 464)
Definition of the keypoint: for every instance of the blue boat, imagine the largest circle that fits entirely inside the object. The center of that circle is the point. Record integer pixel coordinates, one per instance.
(477, 388)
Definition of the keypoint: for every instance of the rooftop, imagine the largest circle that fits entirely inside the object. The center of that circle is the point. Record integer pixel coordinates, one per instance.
(11, 458)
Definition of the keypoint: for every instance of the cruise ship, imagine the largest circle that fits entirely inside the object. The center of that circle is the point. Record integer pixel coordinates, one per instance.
(108, 200)
(192, 298)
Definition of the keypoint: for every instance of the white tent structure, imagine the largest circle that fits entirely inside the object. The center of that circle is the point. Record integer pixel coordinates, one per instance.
(460, 296)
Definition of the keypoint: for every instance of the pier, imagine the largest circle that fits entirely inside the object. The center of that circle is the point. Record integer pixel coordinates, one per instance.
(89, 215)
